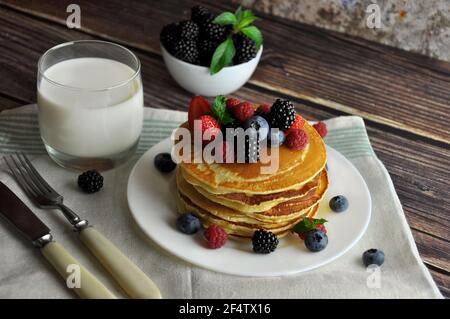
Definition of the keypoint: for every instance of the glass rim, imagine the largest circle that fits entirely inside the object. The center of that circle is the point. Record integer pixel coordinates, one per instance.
(46, 53)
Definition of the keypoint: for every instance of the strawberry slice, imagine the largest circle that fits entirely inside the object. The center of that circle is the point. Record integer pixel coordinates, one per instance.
(298, 123)
(199, 106)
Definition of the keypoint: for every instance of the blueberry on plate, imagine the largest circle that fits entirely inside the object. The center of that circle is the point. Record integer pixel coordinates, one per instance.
(259, 124)
(188, 224)
(316, 240)
(339, 203)
(373, 257)
(276, 139)
(164, 162)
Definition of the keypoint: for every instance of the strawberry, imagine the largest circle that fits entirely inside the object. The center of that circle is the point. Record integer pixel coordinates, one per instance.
(264, 109)
(320, 227)
(298, 123)
(209, 123)
(199, 106)
(308, 224)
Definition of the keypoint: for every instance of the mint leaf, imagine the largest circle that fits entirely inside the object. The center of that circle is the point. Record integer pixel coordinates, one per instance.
(253, 33)
(238, 13)
(222, 56)
(226, 18)
(246, 21)
(220, 111)
(307, 224)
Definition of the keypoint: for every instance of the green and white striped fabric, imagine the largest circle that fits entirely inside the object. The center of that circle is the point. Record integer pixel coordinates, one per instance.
(19, 131)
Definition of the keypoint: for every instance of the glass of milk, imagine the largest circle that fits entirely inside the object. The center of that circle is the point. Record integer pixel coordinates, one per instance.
(90, 102)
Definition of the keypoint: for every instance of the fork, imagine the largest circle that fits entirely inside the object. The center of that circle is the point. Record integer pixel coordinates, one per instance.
(127, 274)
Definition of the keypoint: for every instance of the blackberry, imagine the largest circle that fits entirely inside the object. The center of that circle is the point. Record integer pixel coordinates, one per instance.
(264, 242)
(206, 50)
(169, 36)
(212, 31)
(245, 49)
(189, 30)
(252, 148)
(90, 181)
(282, 114)
(200, 14)
(186, 50)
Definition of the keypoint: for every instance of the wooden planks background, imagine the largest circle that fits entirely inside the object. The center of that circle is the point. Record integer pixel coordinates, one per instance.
(404, 97)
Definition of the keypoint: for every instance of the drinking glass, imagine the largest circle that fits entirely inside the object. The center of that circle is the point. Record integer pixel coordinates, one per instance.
(90, 102)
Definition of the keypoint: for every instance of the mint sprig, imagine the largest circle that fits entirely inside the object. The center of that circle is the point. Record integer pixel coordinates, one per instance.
(241, 21)
(308, 224)
(220, 111)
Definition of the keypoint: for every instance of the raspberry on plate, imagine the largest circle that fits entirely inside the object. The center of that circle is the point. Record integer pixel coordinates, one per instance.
(215, 237)
(321, 128)
(244, 111)
(297, 139)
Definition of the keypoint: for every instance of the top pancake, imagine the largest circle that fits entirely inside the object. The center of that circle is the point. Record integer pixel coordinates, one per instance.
(296, 168)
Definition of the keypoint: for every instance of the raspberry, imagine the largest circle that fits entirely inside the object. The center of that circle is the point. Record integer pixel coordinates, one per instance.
(320, 227)
(321, 128)
(244, 111)
(232, 103)
(264, 109)
(215, 237)
(297, 139)
(298, 123)
(209, 123)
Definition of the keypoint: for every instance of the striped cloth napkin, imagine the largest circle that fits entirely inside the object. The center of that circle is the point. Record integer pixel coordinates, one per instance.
(24, 274)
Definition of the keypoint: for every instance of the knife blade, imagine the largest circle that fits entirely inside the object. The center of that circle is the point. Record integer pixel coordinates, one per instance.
(18, 214)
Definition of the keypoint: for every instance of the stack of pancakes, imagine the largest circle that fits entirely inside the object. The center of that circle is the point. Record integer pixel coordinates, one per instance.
(240, 199)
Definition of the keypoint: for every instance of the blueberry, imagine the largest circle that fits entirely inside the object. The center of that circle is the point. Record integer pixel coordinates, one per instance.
(316, 240)
(373, 257)
(276, 139)
(339, 203)
(188, 224)
(260, 124)
(164, 162)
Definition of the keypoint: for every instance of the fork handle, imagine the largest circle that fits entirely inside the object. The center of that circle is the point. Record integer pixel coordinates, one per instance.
(89, 286)
(129, 276)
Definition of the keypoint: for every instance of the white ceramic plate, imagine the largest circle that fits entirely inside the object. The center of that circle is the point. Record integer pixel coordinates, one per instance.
(151, 198)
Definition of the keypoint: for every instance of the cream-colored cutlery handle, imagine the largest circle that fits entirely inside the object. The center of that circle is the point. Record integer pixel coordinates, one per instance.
(129, 276)
(87, 286)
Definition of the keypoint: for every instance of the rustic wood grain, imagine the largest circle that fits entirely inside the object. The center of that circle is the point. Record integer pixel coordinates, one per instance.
(418, 166)
(386, 85)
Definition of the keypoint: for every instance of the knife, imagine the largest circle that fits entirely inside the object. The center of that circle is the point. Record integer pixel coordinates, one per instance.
(17, 213)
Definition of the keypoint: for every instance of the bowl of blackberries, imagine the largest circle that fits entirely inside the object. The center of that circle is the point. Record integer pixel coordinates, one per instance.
(212, 54)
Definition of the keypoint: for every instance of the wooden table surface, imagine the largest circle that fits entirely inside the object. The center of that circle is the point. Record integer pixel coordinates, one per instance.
(403, 97)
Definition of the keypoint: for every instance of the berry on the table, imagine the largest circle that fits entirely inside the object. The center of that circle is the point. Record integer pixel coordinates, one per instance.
(90, 181)
(321, 128)
(264, 242)
(259, 124)
(188, 224)
(339, 203)
(244, 111)
(215, 237)
(373, 257)
(210, 124)
(297, 139)
(245, 49)
(276, 139)
(316, 240)
(282, 114)
(199, 106)
(164, 162)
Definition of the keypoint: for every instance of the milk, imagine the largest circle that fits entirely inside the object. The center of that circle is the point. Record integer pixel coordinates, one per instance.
(95, 122)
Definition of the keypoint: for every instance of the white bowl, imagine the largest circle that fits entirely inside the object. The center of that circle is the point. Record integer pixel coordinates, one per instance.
(196, 79)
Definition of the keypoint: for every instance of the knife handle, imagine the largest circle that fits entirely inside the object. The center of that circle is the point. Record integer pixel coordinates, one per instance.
(90, 287)
(129, 276)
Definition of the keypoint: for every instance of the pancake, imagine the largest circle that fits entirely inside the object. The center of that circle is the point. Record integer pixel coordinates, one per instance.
(296, 168)
(283, 212)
